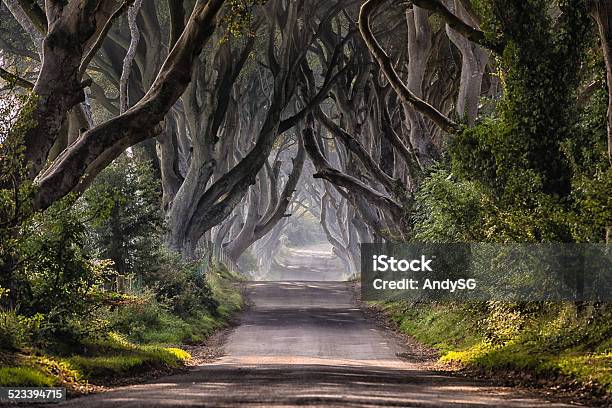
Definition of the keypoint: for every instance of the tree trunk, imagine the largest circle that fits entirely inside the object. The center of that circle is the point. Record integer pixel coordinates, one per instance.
(474, 60)
(601, 11)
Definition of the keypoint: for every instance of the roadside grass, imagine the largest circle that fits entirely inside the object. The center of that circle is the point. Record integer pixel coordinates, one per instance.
(30, 369)
(547, 344)
(109, 358)
(147, 323)
(116, 355)
(25, 377)
(226, 290)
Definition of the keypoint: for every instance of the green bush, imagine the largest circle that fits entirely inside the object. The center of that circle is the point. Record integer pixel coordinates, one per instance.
(180, 285)
(18, 331)
(13, 333)
(149, 320)
(59, 279)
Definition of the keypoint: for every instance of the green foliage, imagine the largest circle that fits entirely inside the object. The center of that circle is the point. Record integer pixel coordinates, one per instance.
(180, 285)
(536, 171)
(64, 263)
(449, 210)
(239, 16)
(593, 204)
(224, 286)
(15, 190)
(126, 218)
(148, 321)
(17, 331)
(539, 338)
(133, 347)
(151, 320)
(447, 329)
(58, 277)
(36, 371)
(106, 359)
(537, 165)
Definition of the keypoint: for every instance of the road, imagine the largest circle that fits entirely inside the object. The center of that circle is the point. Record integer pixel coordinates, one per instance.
(307, 343)
(308, 263)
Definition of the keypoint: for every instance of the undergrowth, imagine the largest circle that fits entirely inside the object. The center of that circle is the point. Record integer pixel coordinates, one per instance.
(145, 337)
(546, 340)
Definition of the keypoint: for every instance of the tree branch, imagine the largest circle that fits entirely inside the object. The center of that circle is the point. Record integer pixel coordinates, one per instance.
(133, 11)
(15, 79)
(100, 39)
(285, 197)
(386, 66)
(355, 146)
(334, 176)
(137, 123)
(456, 23)
(35, 14)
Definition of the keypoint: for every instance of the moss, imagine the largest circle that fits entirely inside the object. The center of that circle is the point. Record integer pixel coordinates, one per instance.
(588, 368)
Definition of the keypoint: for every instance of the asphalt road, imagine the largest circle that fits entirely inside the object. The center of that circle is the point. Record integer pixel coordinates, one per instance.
(307, 343)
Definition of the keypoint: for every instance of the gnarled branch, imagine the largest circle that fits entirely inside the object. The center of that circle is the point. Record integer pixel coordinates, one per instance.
(391, 74)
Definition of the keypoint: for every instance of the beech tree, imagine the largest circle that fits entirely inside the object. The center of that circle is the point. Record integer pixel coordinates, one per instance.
(377, 97)
(72, 29)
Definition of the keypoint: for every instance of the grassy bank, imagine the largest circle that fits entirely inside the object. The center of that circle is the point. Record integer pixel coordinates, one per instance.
(530, 342)
(144, 339)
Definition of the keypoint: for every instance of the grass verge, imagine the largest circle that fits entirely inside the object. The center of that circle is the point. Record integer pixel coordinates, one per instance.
(533, 343)
(143, 347)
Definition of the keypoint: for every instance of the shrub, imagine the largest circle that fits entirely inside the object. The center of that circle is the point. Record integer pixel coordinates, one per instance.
(180, 285)
(18, 331)
(60, 278)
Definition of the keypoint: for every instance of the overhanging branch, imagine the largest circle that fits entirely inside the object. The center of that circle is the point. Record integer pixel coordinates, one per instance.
(386, 65)
(456, 23)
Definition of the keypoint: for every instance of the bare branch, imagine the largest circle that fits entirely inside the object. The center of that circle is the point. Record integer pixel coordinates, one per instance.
(15, 79)
(388, 69)
(129, 55)
(35, 13)
(100, 39)
(456, 23)
(336, 177)
(355, 146)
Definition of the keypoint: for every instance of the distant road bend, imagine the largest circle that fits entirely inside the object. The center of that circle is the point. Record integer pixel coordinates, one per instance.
(305, 343)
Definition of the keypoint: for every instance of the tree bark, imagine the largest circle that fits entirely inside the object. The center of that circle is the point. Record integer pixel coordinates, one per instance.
(135, 125)
(601, 10)
(129, 56)
(474, 60)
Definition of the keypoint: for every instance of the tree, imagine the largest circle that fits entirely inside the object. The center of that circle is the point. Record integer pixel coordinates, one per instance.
(72, 28)
(126, 221)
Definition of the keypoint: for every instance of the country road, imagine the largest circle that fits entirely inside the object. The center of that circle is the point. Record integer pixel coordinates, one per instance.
(308, 344)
